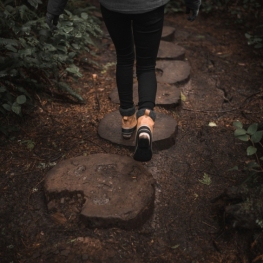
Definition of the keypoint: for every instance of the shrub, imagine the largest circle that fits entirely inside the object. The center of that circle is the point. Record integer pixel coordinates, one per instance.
(253, 134)
(32, 58)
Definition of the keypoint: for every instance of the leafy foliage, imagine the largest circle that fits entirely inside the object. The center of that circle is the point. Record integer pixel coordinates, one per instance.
(239, 10)
(255, 40)
(33, 58)
(175, 6)
(253, 134)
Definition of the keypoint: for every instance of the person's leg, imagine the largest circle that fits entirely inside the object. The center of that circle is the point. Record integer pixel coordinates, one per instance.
(147, 30)
(120, 29)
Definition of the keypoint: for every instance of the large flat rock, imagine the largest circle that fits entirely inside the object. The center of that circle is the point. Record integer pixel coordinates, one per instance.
(173, 72)
(117, 191)
(170, 51)
(168, 33)
(165, 129)
(166, 95)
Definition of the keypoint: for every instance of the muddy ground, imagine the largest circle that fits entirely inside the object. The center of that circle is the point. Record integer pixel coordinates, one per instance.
(186, 227)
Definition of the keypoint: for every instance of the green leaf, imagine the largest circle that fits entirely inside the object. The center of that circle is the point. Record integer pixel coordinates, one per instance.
(252, 128)
(257, 136)
(238, 124)
(11, 48)
(261, 158)
(68, 13)
(26, 29)
(25, 52)
(74, 69)
(16, 108)
(251, 150)
(8, 41)
(32, 41)
(206, 179)
(68, 89)
(49, 47)
(78, 35)
(235, 168)
(72, 54)
(61, 58)
(29, 144)
(75, 46)
(175, 246)
(67, 29)
(84, 16)
(63, 49)
(6, 107)
(21, 99)
(243, 138)
(239, 131)
(248, 36)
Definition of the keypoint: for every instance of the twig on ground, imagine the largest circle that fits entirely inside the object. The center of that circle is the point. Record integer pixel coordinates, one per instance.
(94, 77)
(209, 225)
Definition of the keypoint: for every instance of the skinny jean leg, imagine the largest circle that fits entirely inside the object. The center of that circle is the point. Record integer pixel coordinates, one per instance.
(120, 29)
(147, 30)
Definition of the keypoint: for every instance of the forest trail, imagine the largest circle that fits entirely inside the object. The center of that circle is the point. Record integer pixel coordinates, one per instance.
(186, 227)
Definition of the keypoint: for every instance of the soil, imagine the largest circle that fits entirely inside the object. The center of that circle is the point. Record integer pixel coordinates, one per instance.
(186, 226)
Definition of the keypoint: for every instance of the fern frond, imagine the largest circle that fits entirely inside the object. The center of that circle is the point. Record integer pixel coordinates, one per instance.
(68, 89)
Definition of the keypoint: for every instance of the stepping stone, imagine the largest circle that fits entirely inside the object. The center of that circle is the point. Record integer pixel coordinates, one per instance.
(173, 72)
(168, 33)
(166, 95)
(170, 51)
(165, 129)
(117, 191)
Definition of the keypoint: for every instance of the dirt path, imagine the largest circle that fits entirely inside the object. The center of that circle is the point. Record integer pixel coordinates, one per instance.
(186, 227)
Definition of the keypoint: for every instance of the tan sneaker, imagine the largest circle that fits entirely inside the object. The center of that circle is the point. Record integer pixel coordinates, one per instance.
(144, 135)
(128, 126)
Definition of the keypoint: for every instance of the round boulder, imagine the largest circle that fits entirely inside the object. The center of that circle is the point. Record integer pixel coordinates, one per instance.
(168, 33)
(173, 72)
(166, 95)
(165, 129)
(170, 51)
(117, 191)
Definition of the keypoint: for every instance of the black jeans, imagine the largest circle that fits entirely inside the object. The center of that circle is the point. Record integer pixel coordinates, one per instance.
(144, 32)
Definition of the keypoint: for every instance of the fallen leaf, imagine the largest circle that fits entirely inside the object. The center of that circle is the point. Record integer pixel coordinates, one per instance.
(59, 218)
(212, 124)
(176, 246)
(183, 97)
